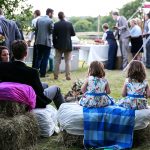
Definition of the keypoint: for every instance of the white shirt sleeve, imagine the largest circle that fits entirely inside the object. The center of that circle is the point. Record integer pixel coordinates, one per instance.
(148, 27)
(32, 34)
(104, 36)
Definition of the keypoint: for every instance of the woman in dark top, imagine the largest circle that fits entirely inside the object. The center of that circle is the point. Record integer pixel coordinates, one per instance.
(4, 54)
(136, 39)
(108, 36)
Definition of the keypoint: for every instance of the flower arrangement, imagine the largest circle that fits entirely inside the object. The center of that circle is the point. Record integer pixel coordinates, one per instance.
(2, 38)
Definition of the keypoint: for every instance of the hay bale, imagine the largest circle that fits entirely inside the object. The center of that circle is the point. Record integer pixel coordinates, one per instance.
(141, 137)
(18, 132)
(12, 108)
(71, 140)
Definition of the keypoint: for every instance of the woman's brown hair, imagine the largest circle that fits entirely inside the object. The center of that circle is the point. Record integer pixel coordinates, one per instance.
(136, 71)
(96, 69)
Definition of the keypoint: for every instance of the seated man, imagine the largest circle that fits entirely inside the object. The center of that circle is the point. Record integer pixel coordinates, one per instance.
(4, 57)
(17, 71)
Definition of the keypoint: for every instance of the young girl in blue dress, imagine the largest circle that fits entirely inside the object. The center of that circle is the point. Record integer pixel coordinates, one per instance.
(96, 87)
(136, 89)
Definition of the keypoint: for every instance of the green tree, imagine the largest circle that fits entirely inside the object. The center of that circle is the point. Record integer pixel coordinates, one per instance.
(94, 22)
(107, 19)
(130, 8)
(91, 20)
(82, 25)
(74, 19)
(17, 10)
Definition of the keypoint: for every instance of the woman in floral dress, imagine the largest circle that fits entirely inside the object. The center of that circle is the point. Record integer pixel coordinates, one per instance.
(96, 87)
(136, 89)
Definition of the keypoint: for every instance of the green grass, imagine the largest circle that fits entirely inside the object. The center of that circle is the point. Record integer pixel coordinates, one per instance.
(116, 79)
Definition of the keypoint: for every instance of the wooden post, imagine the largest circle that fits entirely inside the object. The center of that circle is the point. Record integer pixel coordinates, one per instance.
(98, 25)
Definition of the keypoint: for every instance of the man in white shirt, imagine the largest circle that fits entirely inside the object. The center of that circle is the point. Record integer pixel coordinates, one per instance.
(37, 14)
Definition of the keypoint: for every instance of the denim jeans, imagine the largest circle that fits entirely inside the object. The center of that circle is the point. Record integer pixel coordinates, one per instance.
(43, 53)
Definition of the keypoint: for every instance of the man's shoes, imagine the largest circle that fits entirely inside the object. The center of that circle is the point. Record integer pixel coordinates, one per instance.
(43, 76)
(68, 78)
(55, 78)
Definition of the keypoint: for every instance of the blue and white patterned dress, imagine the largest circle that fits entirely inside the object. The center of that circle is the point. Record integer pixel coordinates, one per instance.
(135, 95)
(96, 96)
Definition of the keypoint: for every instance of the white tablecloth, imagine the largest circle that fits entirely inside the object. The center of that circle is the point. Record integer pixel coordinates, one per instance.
(84, 52)
(98, 52)
(91, 52)
(29, 55)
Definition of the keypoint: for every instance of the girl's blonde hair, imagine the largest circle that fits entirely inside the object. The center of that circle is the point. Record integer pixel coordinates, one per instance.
(136, 71)
(96, 69)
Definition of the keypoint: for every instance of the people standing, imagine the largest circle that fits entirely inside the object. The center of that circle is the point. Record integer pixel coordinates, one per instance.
(20, 29)
(10, 31)
(146, 35)
(63, 30)
(44, 27)
(112, 51)
(136, 39)
(122, 31)
(37, 15)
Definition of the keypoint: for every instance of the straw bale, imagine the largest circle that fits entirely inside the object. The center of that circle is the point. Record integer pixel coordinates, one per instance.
(12, 108)
(70, 140)
(140, 138)
(19, 132)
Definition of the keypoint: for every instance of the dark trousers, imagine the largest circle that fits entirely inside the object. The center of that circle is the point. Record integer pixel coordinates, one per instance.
(58, 99)
(148, 54)
(112, 53)
(54, 93)
(43, 53)
(34, 56)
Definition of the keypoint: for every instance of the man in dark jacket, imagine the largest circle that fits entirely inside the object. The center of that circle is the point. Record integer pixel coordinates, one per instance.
(63, 30)
(17, 71)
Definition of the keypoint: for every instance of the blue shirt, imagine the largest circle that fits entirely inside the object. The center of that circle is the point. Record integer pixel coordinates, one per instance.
(135, 31)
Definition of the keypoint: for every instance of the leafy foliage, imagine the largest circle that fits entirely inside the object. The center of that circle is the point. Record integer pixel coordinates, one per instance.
(90, 23)
(17, 10)
(83, 25)
(130, 8)
(107, 19)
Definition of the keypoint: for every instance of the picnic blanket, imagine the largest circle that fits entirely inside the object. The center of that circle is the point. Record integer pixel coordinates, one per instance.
(108, 127)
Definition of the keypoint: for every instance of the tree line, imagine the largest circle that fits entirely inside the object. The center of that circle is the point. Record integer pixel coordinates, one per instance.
(81, 24)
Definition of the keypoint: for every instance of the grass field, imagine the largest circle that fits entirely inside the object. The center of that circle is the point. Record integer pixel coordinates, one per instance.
(116, 79)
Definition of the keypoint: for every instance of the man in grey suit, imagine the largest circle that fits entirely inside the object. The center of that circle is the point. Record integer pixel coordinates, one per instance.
(44, 27)
(122, 31)
(10, 31)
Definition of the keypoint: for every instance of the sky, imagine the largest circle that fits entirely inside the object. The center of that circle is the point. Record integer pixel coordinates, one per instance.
(78, 7)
